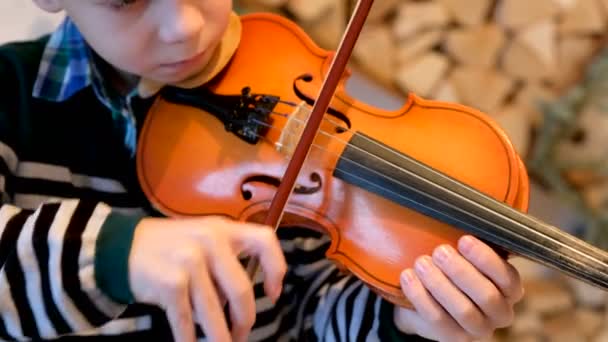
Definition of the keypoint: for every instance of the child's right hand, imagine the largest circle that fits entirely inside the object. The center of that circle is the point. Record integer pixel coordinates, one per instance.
(187, 266)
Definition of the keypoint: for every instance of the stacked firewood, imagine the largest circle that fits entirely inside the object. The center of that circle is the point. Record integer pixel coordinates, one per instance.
(503, 57)
(556, 308)
(498, 56)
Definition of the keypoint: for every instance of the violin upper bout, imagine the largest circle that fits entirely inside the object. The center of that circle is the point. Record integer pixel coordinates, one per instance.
(495, 144)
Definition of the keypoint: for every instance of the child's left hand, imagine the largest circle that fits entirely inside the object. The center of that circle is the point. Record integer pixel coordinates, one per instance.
(459, 296)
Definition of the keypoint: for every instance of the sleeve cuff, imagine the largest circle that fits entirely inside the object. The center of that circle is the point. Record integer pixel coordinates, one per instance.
(113, 246)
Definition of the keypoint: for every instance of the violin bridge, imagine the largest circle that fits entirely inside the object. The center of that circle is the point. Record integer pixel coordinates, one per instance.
(294, 127)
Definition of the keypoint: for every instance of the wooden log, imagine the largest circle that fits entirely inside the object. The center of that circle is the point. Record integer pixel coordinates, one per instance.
(418, 45)
(527, 322)
(540, 38)
(445, 91)
(573, 52)
(415, 17)
(561, 327)
(422, 74)
(475, 45)
(589, 296)
(482, 88)
(588, 321)
(602, 335)
(327, 30)
(565, 5)
(381, 9)
(374, 52)
(517, 124)
(521, 63)
(309, 10)
(604, 5)
(530, 96)
(468, 12)
(544, 296)
(596, 196)
(516, 14)
(586, 16)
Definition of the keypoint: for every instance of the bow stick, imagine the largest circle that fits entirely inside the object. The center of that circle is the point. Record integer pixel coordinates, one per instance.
(336, 70)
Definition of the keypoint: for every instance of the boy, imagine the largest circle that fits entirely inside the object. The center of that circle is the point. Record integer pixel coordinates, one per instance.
(82, 254)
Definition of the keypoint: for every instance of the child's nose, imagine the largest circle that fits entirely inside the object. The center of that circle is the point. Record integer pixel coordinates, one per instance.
(183, 21)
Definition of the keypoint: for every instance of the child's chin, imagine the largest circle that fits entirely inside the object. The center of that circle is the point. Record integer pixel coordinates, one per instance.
(165, 78)
(177, 76)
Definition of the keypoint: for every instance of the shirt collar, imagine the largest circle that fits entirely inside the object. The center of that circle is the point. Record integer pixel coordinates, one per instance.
(68, 66)
(65, 67)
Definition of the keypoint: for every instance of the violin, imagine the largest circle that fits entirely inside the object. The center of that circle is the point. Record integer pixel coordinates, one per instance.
(386, 186)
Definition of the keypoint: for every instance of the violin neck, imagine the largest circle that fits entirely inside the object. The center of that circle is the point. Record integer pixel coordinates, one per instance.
(374, 166)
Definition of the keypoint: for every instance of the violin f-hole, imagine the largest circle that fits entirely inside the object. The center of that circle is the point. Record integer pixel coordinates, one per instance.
(309, 101)
(276, 181)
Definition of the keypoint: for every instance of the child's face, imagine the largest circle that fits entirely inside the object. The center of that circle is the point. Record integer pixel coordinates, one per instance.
(163, 40)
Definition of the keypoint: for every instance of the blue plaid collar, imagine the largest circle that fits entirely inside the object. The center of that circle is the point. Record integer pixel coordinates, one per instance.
(68, 66)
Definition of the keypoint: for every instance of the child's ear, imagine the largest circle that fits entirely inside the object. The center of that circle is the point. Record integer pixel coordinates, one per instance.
(52, 6)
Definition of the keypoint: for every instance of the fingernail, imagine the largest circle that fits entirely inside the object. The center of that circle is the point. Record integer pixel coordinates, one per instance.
(407, 276)
(466, 243)
(443, 253)
(423, 265)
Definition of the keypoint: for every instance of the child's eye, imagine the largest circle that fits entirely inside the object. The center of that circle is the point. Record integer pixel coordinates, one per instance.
(121, 4)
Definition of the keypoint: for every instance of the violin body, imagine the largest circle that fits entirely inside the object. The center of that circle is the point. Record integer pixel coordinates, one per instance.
(190, 165)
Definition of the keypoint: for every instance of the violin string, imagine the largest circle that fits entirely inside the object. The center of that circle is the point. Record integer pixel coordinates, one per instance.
(289, 103)
(325, 150)
(331, 136)
(286, 115)
(279, 113)
(536, 251)
(539, 246)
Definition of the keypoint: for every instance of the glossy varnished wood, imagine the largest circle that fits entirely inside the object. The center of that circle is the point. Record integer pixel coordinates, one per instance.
(189, 165)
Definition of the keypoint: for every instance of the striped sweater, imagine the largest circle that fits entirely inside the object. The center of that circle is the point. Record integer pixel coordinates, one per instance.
(70, 202)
